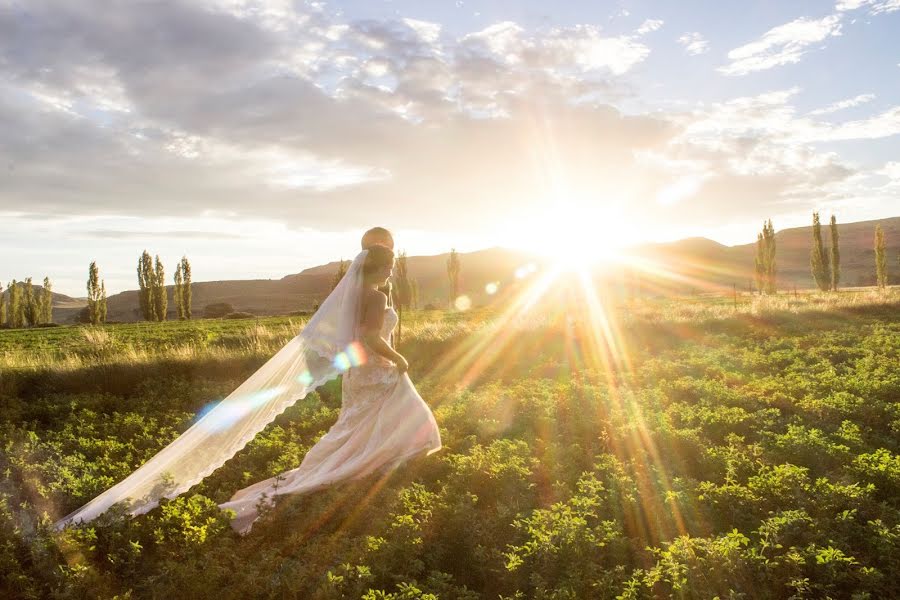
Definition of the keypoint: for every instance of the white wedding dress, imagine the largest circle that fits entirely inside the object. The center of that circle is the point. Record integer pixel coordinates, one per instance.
(383, 420)
(382, 423)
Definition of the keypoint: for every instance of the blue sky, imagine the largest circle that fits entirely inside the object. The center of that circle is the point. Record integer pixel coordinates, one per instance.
(260, 137)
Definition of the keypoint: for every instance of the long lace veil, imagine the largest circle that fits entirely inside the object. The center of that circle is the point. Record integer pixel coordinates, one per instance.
(324, 349)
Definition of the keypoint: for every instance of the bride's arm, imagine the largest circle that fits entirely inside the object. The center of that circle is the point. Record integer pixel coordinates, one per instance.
(373, 319)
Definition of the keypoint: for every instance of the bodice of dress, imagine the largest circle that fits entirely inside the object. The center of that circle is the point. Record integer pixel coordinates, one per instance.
(390, 321)
(373, 359)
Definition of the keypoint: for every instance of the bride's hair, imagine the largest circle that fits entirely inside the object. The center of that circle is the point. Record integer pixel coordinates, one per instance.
(377, 235)
(379, 256)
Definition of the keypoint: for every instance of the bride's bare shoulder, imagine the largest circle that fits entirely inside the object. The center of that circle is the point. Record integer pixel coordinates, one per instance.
(375, 299)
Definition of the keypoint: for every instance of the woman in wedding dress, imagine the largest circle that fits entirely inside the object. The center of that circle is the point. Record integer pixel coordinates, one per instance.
(383, 420)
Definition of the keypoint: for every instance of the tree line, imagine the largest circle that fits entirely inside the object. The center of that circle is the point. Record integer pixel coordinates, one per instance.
(21, 306)
(825, 263)
(152, 297)
(404, 289)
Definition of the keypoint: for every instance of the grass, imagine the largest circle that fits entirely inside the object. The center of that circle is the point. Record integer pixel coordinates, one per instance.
(721, 450)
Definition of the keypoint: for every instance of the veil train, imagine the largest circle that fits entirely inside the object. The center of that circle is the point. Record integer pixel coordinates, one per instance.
(322, 350)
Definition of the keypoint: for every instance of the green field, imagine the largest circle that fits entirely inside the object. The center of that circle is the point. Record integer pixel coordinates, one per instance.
(699, 448)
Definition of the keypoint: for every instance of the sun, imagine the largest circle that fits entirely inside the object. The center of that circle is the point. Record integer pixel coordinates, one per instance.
(573, 235)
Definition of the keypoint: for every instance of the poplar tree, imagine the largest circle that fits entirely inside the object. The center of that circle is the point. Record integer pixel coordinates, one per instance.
(835, 255)
(760, 263)
(16, 314)
(880, 258)
(145, 282)
(764, 263)
(414, 294)
(102, 308)
(453, 268)
(160, 300)
(339, 274)
(29, 304)
(176, 293)
(186, 294)
(402, 277)
(769, 243)
(2, 307)
(818, 258)
(93, 291)
(46, 302)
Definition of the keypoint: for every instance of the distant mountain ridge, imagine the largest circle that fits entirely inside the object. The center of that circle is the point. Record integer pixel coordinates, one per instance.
(684, 266)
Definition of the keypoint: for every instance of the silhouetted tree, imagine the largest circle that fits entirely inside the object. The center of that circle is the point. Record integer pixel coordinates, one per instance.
(401, 274)
(176, 293)
(29, 303)
(16, 311)
(818, 258)
(759, 263)
(186, 293)
(880, 258)
(339, 274)
(453, 267)
(835, 255)
(93, 290)
(414, 293)
(2, 307)
(146, 298)
(769, 238)
(46, 302)
(102, 307)
(160, 299)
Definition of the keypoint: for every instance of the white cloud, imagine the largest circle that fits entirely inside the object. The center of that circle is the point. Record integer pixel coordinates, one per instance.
(694, 43)
(428, 32)
(846, 5)
(559, 48)
(849, 103)
(781, 45)
(876, 7)
(891, 170)
(882, 125)
(649, 25)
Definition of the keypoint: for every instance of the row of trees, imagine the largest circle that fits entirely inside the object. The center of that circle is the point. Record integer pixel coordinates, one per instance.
(453, 267)
(881, 276)
(825, 263)
(26, 307)
(765, 259)
(827, 273)
(405, 291)
(96, 289)
(152, 296)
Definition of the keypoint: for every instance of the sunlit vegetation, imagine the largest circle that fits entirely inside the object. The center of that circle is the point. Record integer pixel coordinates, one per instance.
(732, 447)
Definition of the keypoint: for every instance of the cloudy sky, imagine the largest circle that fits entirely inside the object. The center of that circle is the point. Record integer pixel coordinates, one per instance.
(260, 137)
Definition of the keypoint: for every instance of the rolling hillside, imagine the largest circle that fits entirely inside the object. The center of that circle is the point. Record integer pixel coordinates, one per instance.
(685, 266)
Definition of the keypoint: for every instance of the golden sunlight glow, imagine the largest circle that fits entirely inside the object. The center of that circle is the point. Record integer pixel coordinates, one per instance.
(574, 234)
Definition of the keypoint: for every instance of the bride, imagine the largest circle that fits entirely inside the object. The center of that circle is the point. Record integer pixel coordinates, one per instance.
(383, 420)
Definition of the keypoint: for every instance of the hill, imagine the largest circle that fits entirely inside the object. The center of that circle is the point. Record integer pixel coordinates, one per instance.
(690, 265)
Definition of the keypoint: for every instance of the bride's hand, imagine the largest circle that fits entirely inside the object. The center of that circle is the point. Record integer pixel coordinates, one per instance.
(402, 365)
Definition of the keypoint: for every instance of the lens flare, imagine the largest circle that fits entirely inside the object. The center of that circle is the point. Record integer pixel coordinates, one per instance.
(305, 378)
(342, 362)
(357, 354)
(352, 356)
(222, 416)
(463, 303)
(491, 288)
